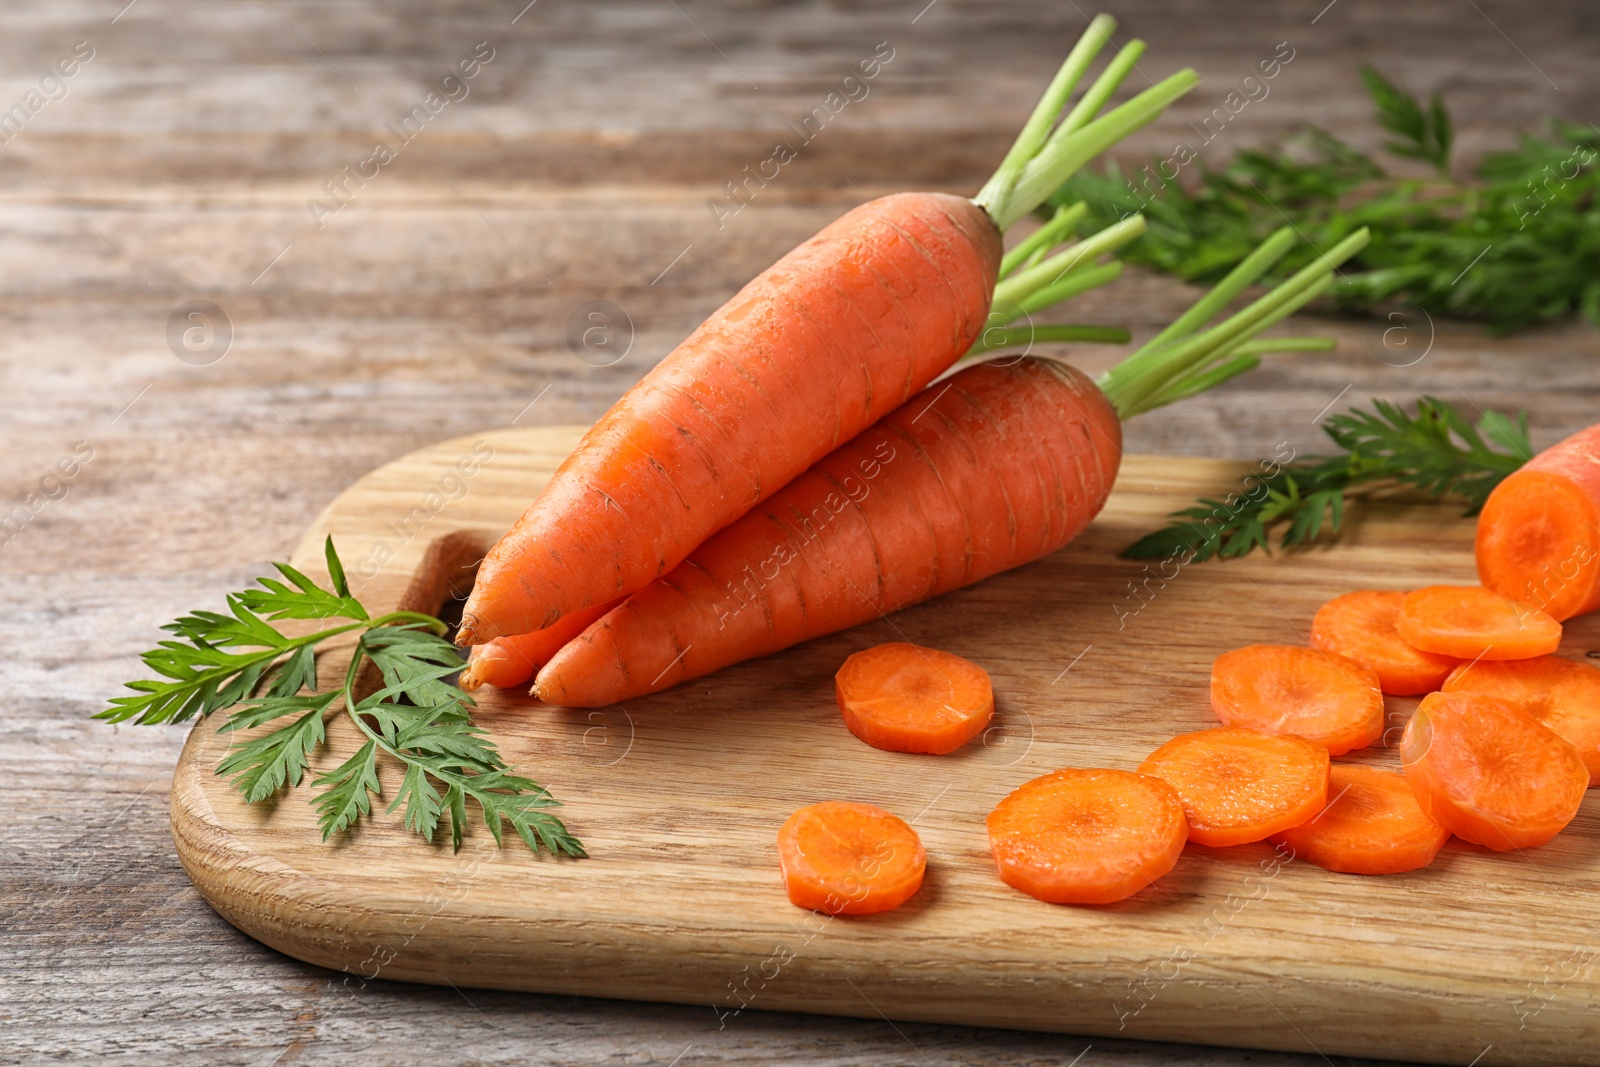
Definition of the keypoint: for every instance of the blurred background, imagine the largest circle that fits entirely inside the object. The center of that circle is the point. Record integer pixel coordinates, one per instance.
(252, 250)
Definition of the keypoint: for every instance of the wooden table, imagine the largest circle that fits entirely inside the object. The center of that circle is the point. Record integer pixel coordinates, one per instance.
(176, 165)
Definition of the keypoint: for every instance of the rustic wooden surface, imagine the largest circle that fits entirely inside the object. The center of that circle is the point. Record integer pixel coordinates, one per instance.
(678, 798)
(177, 167)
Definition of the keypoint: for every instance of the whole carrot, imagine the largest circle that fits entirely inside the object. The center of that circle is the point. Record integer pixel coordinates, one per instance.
(831, 338)
(998, 466)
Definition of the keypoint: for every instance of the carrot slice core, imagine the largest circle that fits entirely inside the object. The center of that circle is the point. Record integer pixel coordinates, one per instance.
(1562, 694)
(1490, 773)
(1471, 622)
(906, 698)
(1282, 689)
(1087, 836)
(1371, 825)
(1364, 626)
(1239, 785)
(845, 858)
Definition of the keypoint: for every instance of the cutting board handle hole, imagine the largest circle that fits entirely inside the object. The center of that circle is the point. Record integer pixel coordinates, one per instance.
(444, 578)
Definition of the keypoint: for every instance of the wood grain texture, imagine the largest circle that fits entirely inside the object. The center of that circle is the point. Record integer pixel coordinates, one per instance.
(679, 796)
(178, 167)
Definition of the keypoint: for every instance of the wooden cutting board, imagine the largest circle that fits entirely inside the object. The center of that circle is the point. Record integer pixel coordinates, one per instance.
(1483, 958)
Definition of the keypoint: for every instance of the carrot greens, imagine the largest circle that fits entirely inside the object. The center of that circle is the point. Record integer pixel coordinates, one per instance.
(239, 660)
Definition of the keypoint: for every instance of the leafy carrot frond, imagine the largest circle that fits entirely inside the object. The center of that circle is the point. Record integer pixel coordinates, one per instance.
(268, 680)
(1436, 450)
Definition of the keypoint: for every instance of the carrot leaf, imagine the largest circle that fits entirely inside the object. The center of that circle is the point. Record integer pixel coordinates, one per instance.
(1436, 450)
(266, 681)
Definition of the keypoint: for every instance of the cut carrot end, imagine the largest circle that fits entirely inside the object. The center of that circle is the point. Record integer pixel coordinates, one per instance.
(1562, 694)
(844, 858)
(1239, 785)
(1372, 824)
(1538, 542)
(905, 698)
(1282, 689)
(1087, 836)
(1473, 623)
(1363, 626)
(1490, 773)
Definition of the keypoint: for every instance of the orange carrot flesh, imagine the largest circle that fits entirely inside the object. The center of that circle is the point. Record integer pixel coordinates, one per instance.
(832, 337)
(1372, 824)
(902, 697)
(1283, 689)
(1363, 626)
(1562, 694)
(1086, 836)
(1538, 536)
(1473, 623)
(1239, 785)
(844, 858)
(989, 470)
(511, 661)
(1489, 772)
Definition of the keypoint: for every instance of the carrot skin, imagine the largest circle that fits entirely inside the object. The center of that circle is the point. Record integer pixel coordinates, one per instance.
(507, 662)
(998, 466)
(831, 338)
(1538, 538)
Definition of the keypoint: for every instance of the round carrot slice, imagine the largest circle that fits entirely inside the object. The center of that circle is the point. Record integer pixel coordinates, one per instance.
(1561, 693)
(906, 698)
(1282, 689)
(1240, 785)
(1471, 622)
(1372, 825)
(1489, 773)
(1363, 626)
(1087, 836)
(849, 859)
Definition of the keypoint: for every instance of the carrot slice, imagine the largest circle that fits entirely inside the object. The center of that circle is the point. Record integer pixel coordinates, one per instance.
(1087, 836)
(1372, 825)
(1490, 773)
(1239, 785)
(1282, 689)
(1363, 626)
(1562, 694)
(905, 698)
(1471, 622)
(849, 859)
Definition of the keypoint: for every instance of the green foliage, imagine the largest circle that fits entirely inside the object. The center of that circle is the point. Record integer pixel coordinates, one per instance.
(1436, 450)
(239, 661)
(1519, 245)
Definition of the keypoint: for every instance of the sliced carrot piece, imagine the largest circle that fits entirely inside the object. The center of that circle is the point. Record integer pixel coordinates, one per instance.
(1371, 825)
(1363, 626)
(1283, 689)
(1087, 836)
(906, 698)
(844, 858)
(1561, 693)
(1471, 622)
(1241, 785)
(1490, 773)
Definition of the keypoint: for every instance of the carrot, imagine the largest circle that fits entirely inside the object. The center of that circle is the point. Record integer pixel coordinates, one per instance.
(1474, 623)
(831, 338)
(1087, 836)
(1371, 825)
(1239, 785)
(849, 859)
(511, 661)
(1539, 534)
(987, 471)
(1489, 772)
(1560, 693)
(905, 698)
(1282, 689)
(1363, 626)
